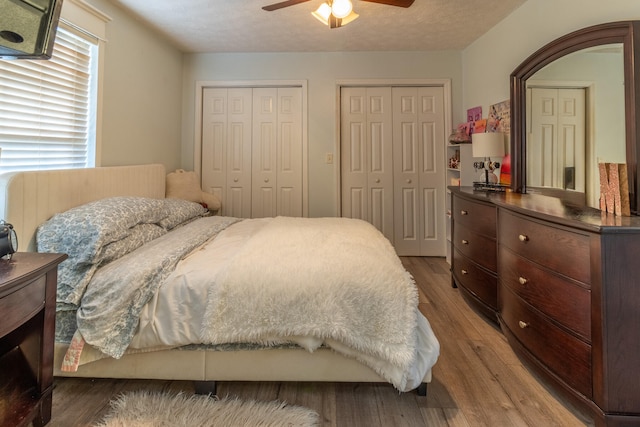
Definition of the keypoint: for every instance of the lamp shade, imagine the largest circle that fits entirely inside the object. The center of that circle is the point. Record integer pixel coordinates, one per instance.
(489, 144)
(323, 13)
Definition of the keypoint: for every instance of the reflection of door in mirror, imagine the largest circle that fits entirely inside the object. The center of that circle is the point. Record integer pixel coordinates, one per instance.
(598, 75)
(556, 152)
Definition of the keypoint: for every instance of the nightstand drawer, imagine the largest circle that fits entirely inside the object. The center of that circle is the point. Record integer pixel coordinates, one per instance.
(567, 356)
(566, 301)
(480, 216)
(19, 306)
(478, 247)
(475, 279)
(558, 249)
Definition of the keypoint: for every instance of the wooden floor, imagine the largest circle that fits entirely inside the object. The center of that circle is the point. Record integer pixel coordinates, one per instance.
(478, 380)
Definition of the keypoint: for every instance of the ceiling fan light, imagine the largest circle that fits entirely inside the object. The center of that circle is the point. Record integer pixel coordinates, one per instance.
(350, 18)
(322, 13)
(341, 8)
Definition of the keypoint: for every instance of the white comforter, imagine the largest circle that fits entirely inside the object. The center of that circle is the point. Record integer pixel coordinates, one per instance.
(384, 330)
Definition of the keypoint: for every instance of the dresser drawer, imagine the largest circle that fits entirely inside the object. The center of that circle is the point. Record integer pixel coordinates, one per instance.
(567, 356)
(566, 301)
(19, 306)
(558, 249)
(478, 247)
(475, 279)
(477, 215)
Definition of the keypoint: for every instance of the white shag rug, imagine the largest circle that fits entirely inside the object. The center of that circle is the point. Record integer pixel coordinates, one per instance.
(147, 409)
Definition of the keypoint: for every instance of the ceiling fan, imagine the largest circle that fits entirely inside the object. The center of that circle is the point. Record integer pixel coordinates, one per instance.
(335, 13)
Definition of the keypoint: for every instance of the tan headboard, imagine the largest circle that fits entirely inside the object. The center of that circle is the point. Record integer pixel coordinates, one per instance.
(30, 198)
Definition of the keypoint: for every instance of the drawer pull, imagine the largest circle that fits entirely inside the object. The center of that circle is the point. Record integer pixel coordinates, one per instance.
(464, 272)
(522, 280)
(464, 213)
(465, 242)
(523, 325)
(523, 238)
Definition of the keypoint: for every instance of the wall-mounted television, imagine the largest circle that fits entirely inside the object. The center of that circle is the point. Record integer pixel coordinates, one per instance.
(28, 28)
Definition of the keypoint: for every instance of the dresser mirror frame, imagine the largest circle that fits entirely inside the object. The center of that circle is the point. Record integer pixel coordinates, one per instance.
(626, 33)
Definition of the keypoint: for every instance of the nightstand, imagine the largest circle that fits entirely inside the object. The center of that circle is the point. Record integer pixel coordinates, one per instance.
(27, 311)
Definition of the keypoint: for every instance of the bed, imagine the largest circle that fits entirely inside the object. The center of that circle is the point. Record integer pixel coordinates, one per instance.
(34, 200)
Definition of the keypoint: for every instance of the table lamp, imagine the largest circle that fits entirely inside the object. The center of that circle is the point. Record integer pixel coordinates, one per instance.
(487, 145)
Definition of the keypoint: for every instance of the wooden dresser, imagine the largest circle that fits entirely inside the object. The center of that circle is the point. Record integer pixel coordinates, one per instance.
(27, 306)
(569, 298)
(473, 251)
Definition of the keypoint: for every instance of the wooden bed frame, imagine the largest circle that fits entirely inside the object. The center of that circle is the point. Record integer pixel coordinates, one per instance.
(30, 198)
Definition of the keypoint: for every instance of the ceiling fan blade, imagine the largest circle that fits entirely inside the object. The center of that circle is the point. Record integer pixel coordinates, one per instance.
(399, 3)
(283, 4)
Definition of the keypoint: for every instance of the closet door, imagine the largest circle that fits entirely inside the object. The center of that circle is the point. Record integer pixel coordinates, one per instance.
(366, 156)
(277, 152)
(252, 148)
(419, 181)
(558, 128)
(226, 148)
(264, 153)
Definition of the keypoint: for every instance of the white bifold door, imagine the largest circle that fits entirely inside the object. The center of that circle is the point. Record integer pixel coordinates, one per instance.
(252, 150)
(556, 146)
(392, 151)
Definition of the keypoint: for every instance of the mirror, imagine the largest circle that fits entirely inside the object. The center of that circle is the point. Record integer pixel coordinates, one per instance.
(573, 104)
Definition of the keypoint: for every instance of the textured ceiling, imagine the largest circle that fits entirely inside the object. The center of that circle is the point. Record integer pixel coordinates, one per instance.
(242, 25)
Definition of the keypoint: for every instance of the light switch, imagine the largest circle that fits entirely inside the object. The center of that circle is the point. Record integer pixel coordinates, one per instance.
(329, 158)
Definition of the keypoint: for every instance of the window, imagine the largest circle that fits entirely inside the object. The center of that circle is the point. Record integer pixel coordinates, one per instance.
(48, 108)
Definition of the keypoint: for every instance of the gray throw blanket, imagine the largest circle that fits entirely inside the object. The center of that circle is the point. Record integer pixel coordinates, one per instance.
(111, 305)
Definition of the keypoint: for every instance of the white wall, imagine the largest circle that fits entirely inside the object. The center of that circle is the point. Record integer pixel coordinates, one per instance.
(488, 62)
(149, 90)
(322, 71)
(142, 94)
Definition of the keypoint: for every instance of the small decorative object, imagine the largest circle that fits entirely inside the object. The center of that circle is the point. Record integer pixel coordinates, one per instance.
(488, 145)
(8, 240)
(505, 170)
(499, 117)
(480, 126)
(474, 114)
(460, 135)
(614, 188)
(454, 162)
(185, 185)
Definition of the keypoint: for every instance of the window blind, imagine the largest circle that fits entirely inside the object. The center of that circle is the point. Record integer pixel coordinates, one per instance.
(47, 110)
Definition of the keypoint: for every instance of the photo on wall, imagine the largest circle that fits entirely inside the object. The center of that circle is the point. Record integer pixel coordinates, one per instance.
(499, 117)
